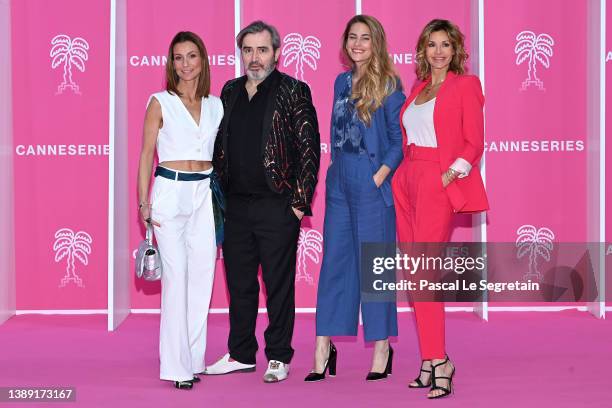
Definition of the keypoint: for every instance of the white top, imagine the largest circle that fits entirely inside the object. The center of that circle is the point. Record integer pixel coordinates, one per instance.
(419, 124)
(180, 137)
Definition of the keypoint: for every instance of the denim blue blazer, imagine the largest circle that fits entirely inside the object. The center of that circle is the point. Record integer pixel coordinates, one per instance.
(383, 139)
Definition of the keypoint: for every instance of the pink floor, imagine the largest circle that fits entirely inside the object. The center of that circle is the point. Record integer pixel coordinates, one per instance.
(547, 360)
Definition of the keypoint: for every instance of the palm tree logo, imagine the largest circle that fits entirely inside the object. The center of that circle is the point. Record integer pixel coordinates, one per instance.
(535, 49)
(68, 52)
(300, 50)
(71, 245)
(310, 245)
(537, 243)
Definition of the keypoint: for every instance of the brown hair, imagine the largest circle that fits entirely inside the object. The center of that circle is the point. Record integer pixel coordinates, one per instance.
(379, 79)
(456, 37)
(172, 77)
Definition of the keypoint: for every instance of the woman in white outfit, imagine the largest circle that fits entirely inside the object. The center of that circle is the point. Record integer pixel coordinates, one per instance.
(182, 122)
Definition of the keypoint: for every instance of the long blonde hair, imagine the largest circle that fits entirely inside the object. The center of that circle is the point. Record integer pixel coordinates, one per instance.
(379, 79)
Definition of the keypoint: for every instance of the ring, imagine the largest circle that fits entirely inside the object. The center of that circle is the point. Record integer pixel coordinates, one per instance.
(148, 220)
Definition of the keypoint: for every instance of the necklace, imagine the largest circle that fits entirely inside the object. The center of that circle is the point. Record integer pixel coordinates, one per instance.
(429, 88)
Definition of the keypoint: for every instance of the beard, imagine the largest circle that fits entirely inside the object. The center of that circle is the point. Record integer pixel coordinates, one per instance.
(261, 74)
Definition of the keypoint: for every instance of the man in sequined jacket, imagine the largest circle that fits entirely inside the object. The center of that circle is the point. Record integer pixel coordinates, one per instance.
(267, 155)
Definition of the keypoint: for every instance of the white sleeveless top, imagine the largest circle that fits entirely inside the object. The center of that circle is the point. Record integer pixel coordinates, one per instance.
(419, 124)
(180, 137)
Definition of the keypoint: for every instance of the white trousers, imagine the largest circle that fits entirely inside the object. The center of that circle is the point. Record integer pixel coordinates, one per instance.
(186, 241)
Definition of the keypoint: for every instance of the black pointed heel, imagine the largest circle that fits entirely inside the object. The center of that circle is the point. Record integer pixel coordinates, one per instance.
(420, 383)
(373, 376)
(330, 365)
(445, 391)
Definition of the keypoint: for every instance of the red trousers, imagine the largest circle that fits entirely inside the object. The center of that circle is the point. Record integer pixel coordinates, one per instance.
(423, 214)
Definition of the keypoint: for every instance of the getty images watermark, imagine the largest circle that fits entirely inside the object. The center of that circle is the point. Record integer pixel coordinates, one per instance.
(459, 265)
(470, 272)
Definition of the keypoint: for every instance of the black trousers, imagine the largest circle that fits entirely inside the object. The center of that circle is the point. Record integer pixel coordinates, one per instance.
(260, 230)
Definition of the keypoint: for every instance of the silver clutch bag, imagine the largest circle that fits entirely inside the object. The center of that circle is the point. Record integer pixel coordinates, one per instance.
(148, 262)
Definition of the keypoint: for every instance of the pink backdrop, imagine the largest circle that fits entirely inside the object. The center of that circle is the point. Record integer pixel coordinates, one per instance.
(61, 163)
(151, 26)
(608, 225)
(531, 181)
(539, 188)
(328, 31)
(536, 138)
(403, 28)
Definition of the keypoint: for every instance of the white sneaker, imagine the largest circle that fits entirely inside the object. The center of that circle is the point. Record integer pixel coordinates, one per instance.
(225, 366)
(276, 372)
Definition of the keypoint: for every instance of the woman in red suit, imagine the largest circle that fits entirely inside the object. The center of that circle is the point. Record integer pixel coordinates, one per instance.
(444, 140)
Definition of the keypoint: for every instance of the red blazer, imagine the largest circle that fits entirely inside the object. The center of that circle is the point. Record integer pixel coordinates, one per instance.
(459, 126)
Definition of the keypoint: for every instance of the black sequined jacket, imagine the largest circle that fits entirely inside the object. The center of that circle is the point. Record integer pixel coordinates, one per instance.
(291, 142)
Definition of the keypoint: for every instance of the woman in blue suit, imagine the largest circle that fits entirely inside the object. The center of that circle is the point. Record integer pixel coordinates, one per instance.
(366, 141)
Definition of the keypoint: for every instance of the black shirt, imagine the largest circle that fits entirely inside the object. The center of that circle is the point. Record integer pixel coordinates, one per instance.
(247, 173)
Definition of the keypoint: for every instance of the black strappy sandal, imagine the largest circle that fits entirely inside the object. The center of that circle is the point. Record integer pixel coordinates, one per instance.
(420, 383)
(445, 391)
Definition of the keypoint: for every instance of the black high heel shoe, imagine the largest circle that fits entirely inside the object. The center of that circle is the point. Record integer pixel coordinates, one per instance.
(330, 365)
(445, 391)
(373, 376)
(420, 383)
